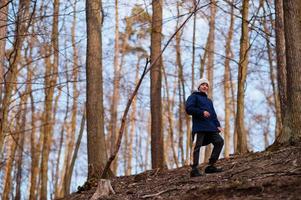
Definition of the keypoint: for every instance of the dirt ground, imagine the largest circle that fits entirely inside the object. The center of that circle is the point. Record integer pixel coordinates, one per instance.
(262, 175)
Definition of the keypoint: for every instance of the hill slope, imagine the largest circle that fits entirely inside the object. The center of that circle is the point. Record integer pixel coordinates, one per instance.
(262, 175)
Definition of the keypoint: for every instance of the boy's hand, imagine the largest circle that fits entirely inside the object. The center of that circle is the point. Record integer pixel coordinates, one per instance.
(206, 114)
(220, 129)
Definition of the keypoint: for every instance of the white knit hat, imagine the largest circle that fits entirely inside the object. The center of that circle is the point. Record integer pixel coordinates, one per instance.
(200, 82)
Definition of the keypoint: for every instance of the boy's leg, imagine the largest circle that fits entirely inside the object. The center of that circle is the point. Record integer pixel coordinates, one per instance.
(196, 150)
(218, 143)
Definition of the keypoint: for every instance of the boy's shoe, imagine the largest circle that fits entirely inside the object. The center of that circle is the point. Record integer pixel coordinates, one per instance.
(195, 172)
(212, 169)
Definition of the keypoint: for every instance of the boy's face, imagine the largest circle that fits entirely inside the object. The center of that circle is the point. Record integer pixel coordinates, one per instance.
(204, 87)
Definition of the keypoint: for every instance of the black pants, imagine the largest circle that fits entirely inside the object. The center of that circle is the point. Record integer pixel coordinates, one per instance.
(205, 138)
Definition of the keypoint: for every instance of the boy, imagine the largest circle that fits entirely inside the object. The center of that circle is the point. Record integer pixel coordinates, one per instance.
(205, 126)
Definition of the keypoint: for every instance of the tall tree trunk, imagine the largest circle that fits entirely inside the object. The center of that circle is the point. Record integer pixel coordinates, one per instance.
(242, 75)
(157, 147)
(115, 96)
(227, 82)
(210, 62)
(281, 59)
(291, 131)
(94, 105)
(180, 86)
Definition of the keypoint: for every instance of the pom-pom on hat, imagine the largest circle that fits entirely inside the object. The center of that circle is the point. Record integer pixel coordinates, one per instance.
(200, 82)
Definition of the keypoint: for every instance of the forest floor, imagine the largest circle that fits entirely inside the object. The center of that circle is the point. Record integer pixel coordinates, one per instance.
(262, 175)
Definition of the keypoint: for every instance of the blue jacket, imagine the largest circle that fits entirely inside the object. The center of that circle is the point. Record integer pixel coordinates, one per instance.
(196, 104)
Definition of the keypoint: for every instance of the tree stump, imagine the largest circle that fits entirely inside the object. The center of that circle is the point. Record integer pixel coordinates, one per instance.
(104, 188)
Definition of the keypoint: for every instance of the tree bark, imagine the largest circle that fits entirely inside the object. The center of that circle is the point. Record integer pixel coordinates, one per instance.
(210, 62)
(181, 88)
(281, 59)
(157, 147)
(115, 96)
(227, 82)
(291, 131)
(94, 104)
(242, 75)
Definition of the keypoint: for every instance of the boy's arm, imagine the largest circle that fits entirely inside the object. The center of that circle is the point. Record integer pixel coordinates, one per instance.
(192, 108)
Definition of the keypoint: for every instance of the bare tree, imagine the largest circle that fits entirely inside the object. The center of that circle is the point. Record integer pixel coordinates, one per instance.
(227, 82)
(181, 85)
(291, 131)
(242, 75)
(94, 104)
(210, 61)
(157, 147)
(115, 96)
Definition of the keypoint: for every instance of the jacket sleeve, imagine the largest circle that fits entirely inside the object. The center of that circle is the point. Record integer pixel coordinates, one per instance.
(216, 122)
(192, 108)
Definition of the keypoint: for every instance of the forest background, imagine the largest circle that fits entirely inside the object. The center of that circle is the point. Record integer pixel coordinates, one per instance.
(43, 85)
